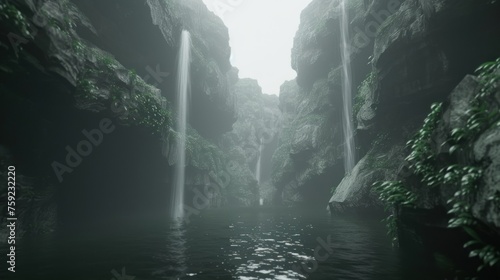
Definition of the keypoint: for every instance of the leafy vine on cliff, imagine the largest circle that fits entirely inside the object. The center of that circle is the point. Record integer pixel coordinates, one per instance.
(394, 194)
(422, 159)
(480, 117)
(468, 177)
(138, 101)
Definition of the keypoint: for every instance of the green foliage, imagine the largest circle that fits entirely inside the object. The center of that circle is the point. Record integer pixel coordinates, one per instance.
(108, 61)
(142, 104)
(422, 161)
(393, 194)
(78, 47)
(421, 158)
(480, 117)
(489, 255)
(87, 89)
(150, 113)
(11, 14)
(488, 73)
(468, 179)
(145, 107)
(392, 228)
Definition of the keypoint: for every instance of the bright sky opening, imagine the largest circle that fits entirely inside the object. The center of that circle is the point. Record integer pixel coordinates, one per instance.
(261, 37)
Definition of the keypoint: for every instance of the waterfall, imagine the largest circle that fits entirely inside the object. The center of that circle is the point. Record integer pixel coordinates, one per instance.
(257, 166)
(257, 170)
(183, 87)
(344, 187)
(347, 122)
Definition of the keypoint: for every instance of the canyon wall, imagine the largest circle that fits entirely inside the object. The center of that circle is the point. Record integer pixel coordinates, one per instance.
(88, 89)
(405, 56)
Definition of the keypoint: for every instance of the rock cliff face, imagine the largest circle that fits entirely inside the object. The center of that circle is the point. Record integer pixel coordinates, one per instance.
(479, 150)
(87, 93)
(418, 58)
(151, 32)
(253, 136)
(405, 56)
(309, 152)
(453, 174)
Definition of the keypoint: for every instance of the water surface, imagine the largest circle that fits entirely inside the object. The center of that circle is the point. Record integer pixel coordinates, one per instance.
(222, 244)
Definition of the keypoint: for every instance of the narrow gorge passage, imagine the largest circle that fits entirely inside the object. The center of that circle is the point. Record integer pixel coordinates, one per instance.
(249, 139)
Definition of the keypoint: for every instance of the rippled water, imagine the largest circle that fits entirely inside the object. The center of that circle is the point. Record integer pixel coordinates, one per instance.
(222, 244)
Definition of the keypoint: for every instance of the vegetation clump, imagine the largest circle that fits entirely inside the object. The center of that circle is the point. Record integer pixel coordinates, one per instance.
(394, 194)
(137, 101)
(466, 175)
(10, 14)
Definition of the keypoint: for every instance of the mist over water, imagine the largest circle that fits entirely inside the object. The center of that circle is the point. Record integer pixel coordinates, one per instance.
(247, 243)
(183, 87)
(347, 122)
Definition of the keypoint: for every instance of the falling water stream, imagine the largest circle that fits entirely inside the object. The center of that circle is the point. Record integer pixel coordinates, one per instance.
(257, 170)
(344, 187)
(257, 166)
(183, 86)
(347, 122)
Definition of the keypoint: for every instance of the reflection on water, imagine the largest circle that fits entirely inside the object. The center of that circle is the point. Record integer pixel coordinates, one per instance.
(221, 244)
(296, 245)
